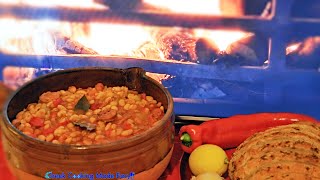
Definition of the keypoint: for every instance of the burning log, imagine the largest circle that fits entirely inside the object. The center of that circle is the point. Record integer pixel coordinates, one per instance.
(249, 51)
(70, 46)
(176, 44)
(305, 55)
(148, 50)
(206, 51)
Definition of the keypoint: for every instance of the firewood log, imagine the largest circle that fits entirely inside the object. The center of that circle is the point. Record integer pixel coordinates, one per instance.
(71, 46)
(249, 51)
(148, 50)
(206, 51)
(176, 44)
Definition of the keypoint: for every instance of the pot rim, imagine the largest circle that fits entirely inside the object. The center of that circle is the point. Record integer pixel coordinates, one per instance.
(123, 143)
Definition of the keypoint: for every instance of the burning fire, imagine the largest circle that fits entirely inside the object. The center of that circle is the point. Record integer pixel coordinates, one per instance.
(30, 37)
(46, 37)
(222, 38)
(115, 39)
(206, 7)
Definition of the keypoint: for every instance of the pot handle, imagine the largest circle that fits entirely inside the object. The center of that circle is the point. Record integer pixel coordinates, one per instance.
(134, 78)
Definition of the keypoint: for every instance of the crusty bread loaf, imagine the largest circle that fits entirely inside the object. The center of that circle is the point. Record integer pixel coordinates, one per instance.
(284, 152)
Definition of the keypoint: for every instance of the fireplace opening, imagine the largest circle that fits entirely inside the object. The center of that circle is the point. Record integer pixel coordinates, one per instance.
(241, 55)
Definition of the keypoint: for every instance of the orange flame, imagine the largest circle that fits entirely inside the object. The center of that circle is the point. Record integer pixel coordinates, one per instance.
(114, 39)
(222, 38)
(293, 47)
(30, 37)
(211, 7)
(36, 37)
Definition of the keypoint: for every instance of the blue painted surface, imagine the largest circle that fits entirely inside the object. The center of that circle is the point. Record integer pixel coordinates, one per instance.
(267, 91)
(204, 90)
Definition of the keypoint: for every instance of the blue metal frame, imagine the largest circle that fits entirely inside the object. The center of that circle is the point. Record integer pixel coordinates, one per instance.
(275, 77)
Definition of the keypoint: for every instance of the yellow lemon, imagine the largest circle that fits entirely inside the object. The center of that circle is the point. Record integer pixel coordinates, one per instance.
(207, 176)
(208, 158)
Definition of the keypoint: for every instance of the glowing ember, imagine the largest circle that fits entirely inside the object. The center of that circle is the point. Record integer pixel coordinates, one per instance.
(222, 38)
(293, 47)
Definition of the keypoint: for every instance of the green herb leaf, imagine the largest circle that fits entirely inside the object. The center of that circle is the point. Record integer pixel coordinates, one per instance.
(83, 104)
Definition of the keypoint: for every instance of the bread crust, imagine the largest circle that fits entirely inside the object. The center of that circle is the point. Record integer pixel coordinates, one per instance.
(283, 152)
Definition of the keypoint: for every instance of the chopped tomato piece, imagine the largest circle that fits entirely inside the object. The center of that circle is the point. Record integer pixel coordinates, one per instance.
(37, 122)
(49, 130)
(53, 114)
(151, 119)
(62, 138)
(126, 126)
(108, 132)
(156, 113)
(95, 106)
(143, 95)
(57, 102)
(63, 123)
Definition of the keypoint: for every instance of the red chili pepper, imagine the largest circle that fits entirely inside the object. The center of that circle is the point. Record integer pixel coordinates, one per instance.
(231, 132)
(37, 122)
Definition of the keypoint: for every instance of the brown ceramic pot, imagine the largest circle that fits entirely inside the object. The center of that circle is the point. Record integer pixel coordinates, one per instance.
(146, 155)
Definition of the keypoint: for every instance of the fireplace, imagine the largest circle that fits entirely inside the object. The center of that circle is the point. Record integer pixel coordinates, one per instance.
(216, 57)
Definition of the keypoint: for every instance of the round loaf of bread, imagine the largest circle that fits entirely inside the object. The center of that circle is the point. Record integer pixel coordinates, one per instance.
(284, 152)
